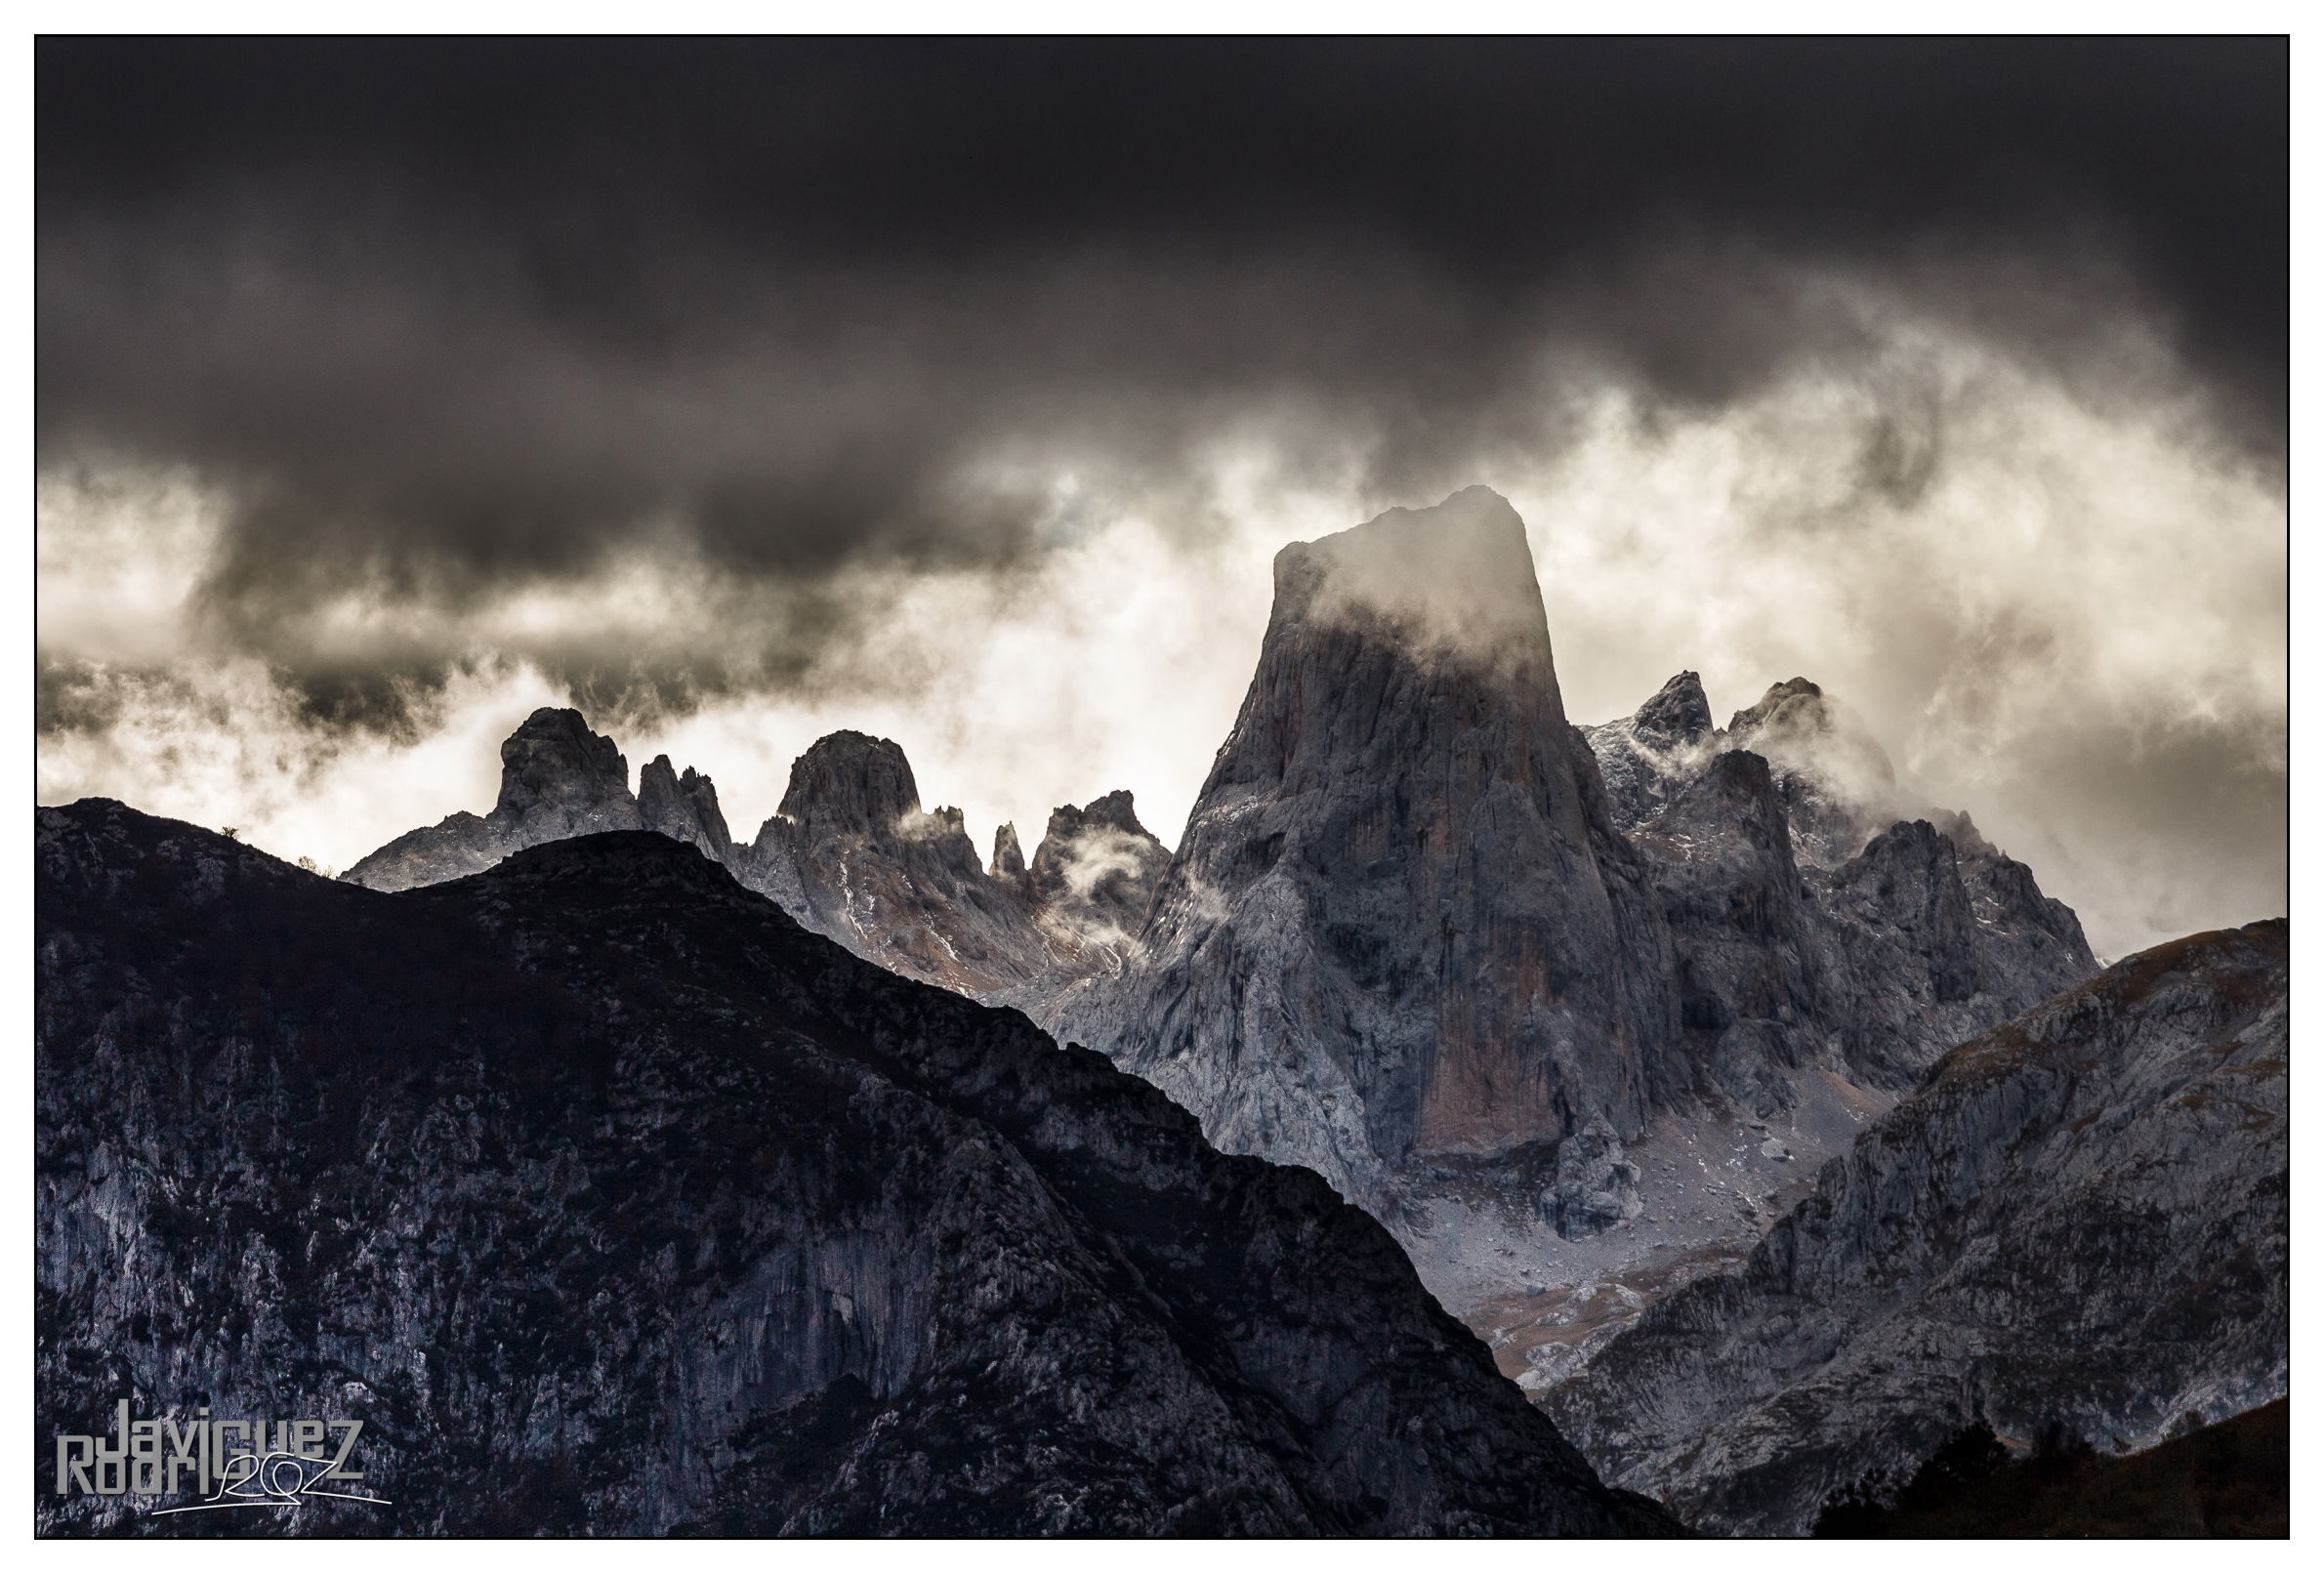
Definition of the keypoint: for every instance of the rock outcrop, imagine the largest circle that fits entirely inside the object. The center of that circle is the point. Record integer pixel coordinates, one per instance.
(1095, 872)
(683, 808)
(613, 1202)
(2077, 1230)
(558, 779)
(1811, 924)
(1008, 857)
(851, 855)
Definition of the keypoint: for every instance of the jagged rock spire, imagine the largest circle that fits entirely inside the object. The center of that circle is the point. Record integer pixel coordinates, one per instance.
(1008, 858)
(684, 808)
(1397, 925)
(559, 779)
(1097, 868)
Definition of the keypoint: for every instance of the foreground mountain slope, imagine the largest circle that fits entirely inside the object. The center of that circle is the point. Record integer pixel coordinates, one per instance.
(2077, 1230)
(2230, 1479)
(615, 1202)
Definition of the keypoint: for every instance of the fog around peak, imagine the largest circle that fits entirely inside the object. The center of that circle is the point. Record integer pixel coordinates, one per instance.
(962, 395)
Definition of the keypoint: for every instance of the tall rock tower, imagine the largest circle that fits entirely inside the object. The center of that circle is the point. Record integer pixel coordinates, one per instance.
(1401, 926)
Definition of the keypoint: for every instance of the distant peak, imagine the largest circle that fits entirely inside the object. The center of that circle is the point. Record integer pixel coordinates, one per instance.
(1795, 704)
(1679, 713)
(1008, 858)
(850, 781)
(683, 807)
(1116, 811)
(552, 757)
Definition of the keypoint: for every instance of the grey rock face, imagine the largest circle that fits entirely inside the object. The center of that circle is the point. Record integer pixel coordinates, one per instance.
(683, 808)
(1678, 717)
(1646, 756)
(2078, 1227)
(558, 779)
(1748, 995)
(1097, 869)
(1596, 1186)
(851, 855)
(614, 1203)
(1803, 935)
(1400, 923)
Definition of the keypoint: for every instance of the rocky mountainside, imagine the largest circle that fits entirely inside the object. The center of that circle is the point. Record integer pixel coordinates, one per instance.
(613, 1201)
(851, 855)
(2076, 1231)
(1575, 1010)
(1810, 922)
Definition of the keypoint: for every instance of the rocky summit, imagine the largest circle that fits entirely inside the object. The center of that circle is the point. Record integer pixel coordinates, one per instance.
(853, 857)
(2076, 1233)
(1401, 923)
(613, 1201)
(558, 779)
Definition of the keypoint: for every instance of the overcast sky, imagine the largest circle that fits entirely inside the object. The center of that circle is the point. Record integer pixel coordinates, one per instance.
(962, 391)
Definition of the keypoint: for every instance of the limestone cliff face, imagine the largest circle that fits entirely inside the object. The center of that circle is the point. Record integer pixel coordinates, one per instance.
(557, 779)
(1401, 923)
(2078, 1227)
(613, 1202)
(1008, 857)
(853, 857)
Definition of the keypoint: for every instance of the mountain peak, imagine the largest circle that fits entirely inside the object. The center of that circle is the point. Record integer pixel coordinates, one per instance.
(1793, 707)
(1096, 867)
(1457, 576)
(1679, 713)
(554, 761)
(682, 807)
(1008, 857)
(850, 781)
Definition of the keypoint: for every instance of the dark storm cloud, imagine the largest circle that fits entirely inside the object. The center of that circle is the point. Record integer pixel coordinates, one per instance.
(451, 313)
